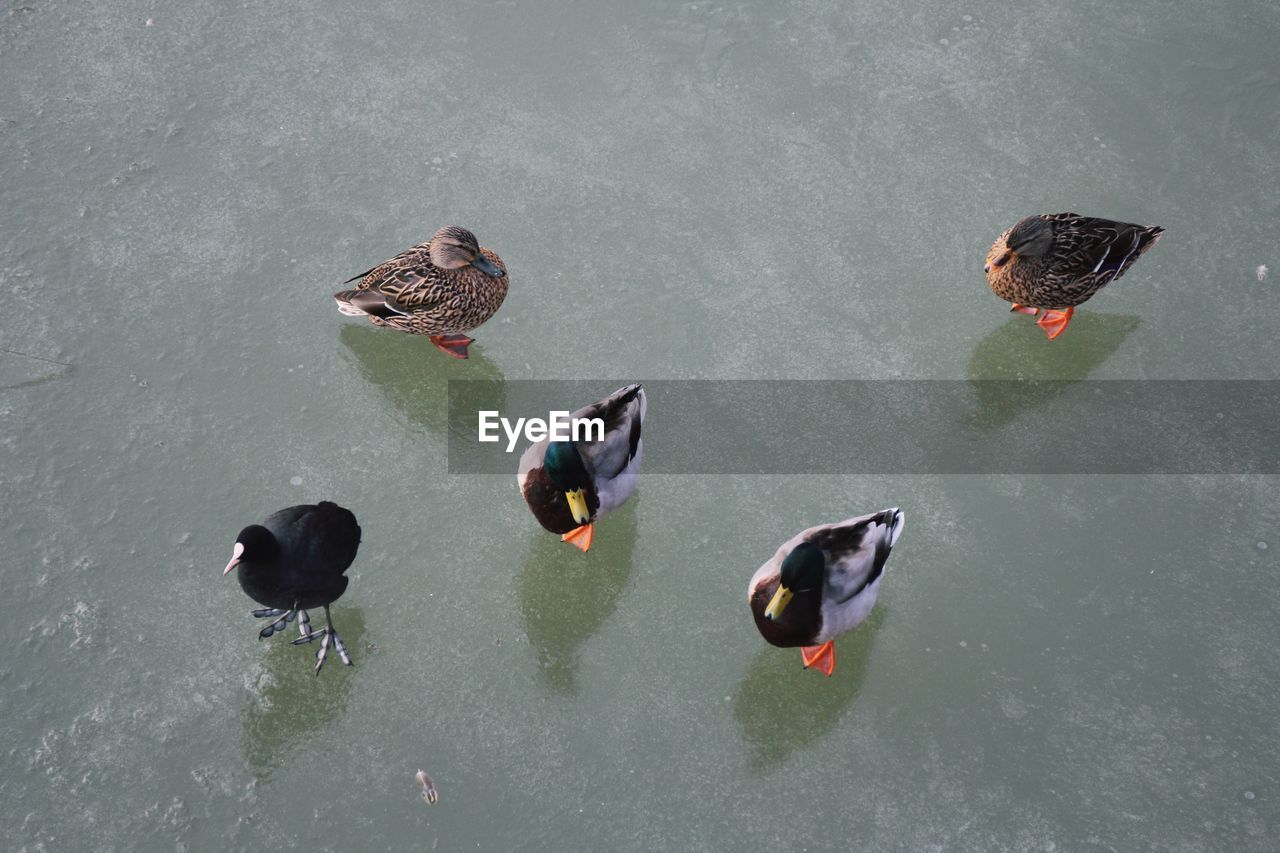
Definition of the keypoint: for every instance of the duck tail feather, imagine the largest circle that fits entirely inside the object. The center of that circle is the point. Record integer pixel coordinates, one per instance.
(896, 519)
(344, 299)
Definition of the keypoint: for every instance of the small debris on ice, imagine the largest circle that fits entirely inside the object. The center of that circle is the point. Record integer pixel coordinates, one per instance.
(428, 788)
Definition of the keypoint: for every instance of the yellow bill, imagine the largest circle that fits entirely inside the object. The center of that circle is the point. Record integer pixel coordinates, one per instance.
(778, 603)
(578, 505)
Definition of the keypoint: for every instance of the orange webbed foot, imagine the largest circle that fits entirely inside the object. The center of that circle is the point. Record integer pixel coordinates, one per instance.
(1029, 310)
(821, 657)
(454, 345)
(1055, 323)
(581, 536)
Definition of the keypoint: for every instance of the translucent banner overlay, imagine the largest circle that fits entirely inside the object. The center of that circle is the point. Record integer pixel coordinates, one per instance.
(905, 426)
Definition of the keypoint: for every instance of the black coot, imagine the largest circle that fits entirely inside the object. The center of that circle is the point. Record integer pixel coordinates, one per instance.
(293, 560)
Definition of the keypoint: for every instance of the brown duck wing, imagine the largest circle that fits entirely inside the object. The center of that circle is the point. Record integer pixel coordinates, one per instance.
(407, 271)
(408, 258)
(415, 288)
(1096, 250)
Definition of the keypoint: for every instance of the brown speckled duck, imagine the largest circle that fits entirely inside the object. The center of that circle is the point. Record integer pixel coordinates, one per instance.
(822, 583)
(568, 484)
(1059, 260)
(442, 288)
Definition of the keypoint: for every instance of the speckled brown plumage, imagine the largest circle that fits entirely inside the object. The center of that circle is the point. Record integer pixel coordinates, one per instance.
(1060, 260)
(413, 294)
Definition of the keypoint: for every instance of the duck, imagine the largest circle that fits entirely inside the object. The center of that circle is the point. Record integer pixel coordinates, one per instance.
(822, 583)
(570, 484)
(293, 561)
(1057, 261)
(441, 288)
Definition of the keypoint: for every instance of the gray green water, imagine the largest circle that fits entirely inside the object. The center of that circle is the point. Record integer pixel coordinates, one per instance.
(693, 190)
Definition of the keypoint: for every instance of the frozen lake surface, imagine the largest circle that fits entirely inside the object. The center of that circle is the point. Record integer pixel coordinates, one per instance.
(681, 191)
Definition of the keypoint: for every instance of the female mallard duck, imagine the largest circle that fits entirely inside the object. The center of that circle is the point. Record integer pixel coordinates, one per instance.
(823, 583)
(1059, 260)
(570, 484)
(442, 288)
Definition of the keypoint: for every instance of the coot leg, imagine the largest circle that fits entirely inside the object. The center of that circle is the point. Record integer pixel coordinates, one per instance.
(337, 641)
(304, 628)
(328, 637)
(323, 651)
(278, 625)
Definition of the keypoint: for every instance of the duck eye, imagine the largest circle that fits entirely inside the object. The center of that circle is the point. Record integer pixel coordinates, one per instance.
(1001, 261)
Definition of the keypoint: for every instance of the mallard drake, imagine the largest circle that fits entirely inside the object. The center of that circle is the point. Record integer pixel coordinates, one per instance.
(569, 485)
(1057, 261)
(296, 559)
(822, 583)
(441, 288)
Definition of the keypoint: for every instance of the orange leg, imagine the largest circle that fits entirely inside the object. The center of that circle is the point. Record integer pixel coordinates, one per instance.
(581, 536)
(821, 657)
(454, 345)
(1055, 323)
(1025, 309)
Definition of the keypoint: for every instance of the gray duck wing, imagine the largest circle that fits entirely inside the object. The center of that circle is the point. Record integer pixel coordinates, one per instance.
(857, 550)
(622, 413)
